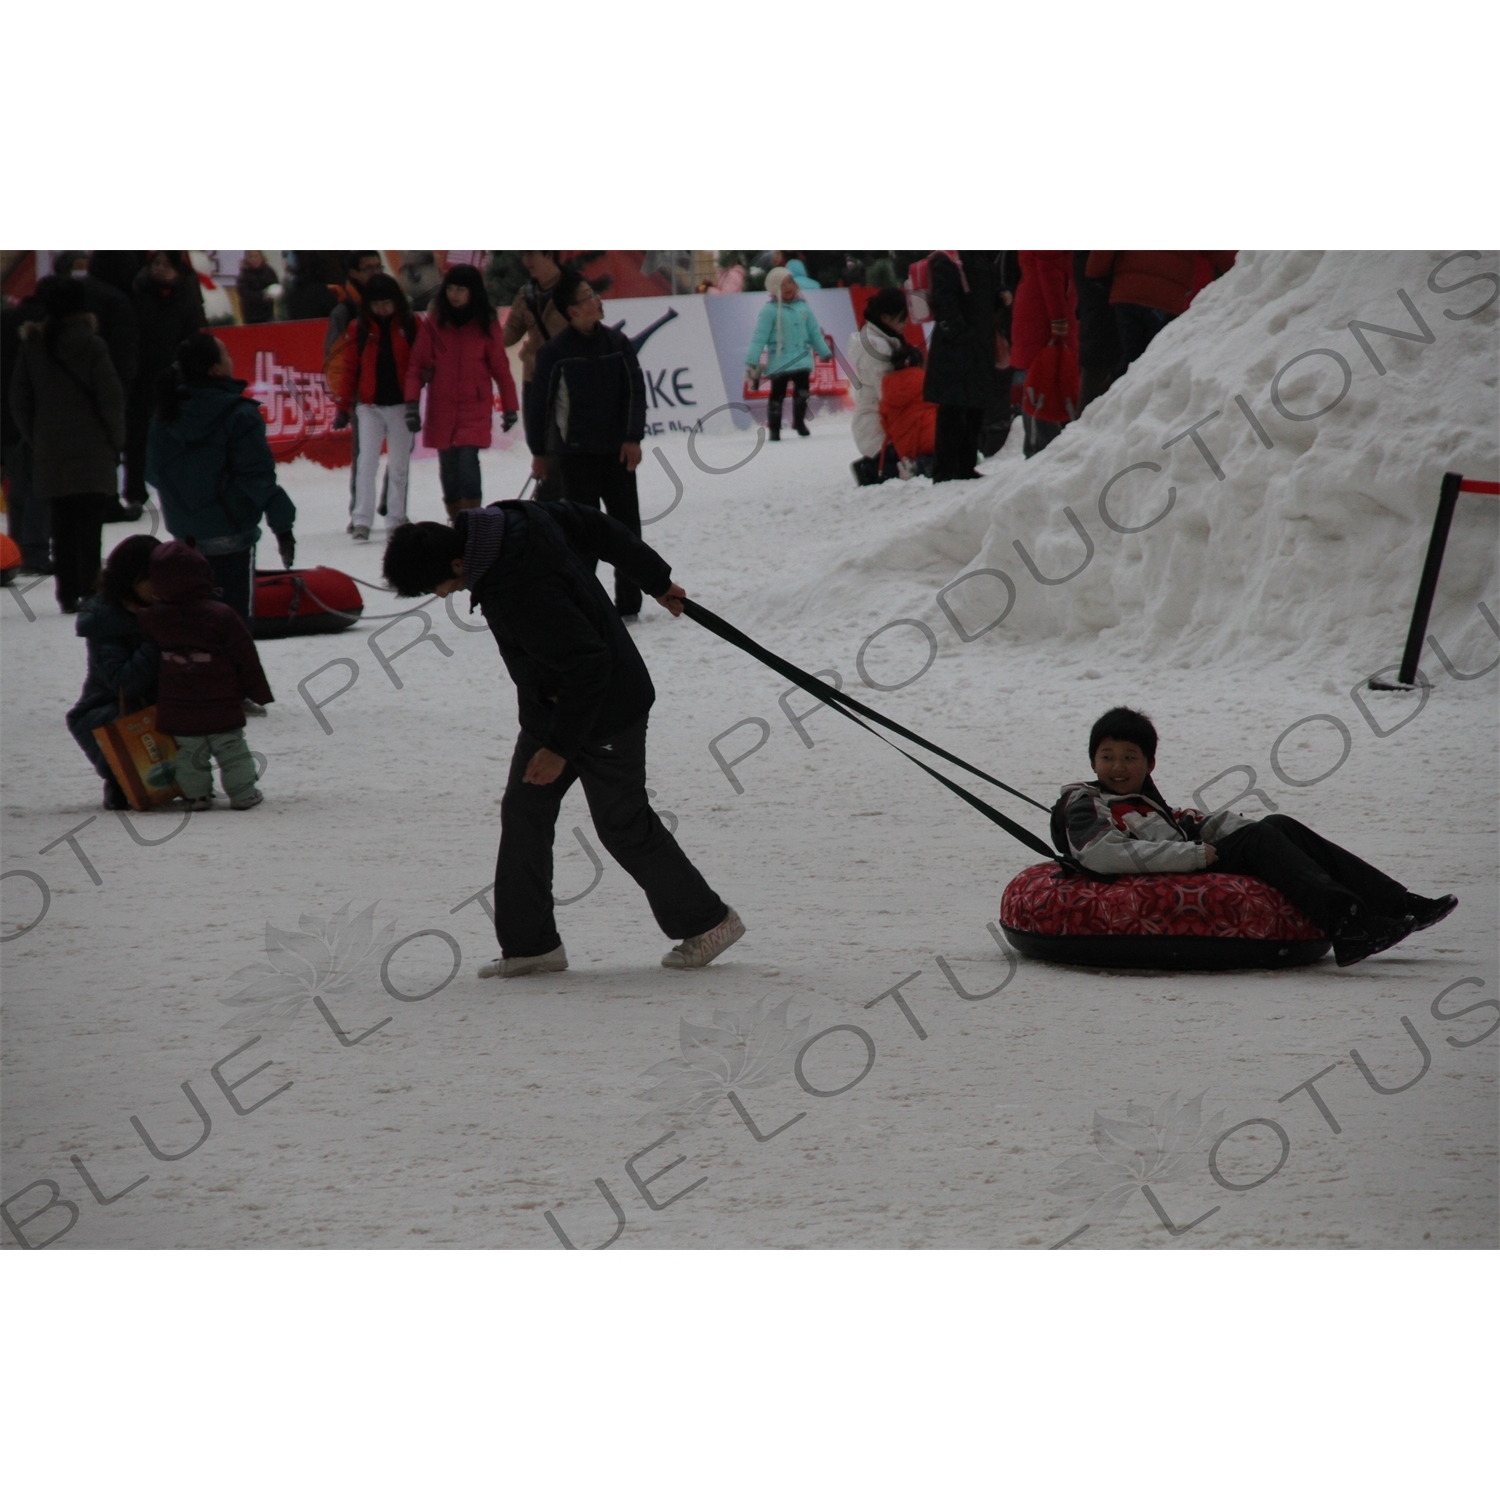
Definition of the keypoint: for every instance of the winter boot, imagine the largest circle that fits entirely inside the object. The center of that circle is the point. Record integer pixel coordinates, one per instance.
(1428, 911)
(799, 414)
(773, 422)
(249, 800)
(696, 952)
(1364, 934)
(361, 533)
(115, 799)
(537, 963)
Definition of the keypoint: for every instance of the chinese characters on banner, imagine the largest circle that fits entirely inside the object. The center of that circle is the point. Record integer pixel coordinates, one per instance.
(283, 363)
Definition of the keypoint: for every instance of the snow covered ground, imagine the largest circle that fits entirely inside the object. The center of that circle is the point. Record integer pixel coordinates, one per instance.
(1244, 621)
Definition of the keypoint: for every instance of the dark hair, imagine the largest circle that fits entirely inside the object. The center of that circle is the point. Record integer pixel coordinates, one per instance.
(62, 298)
(196, 356)
(1127, 724)
(888, 302)
(355, 256)
(383, 288)
(479, 299)
(125, 567)
(420, 556)
(64, 261)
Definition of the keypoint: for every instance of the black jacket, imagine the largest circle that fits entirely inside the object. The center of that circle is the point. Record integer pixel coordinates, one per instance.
(578, 676)
(121, 660)
(961, 364)
(167, 314)
(587, 394)
(114, 312)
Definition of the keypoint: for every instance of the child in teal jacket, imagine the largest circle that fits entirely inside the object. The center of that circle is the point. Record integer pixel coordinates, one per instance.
(788, 331)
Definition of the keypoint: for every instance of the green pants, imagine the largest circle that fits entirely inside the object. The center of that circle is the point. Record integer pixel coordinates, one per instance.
(195, 768)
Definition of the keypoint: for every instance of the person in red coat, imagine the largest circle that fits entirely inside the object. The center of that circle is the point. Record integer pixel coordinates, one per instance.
(459, 355)
(1148, 288)
(368, 380)
(209, 667)
(1045, 312)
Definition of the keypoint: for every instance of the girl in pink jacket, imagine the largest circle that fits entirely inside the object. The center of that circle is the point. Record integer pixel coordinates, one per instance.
(459, 355)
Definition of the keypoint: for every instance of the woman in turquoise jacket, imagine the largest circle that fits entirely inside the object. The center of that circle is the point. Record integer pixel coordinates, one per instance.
(788, 329)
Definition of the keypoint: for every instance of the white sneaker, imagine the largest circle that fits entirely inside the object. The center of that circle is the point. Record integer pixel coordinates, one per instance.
(537, 963)
(695, 952)
(361, 533)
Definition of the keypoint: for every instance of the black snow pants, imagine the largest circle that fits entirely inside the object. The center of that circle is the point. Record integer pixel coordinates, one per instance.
(614, 782)
(1324, 882)
(601, 479)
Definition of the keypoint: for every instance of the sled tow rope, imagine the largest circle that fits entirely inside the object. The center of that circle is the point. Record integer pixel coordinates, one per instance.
(851, 708)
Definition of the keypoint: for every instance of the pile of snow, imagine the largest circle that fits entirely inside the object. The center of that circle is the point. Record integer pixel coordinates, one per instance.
(1330, 439)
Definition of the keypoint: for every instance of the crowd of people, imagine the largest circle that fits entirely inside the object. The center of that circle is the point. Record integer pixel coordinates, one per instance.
(114, 382)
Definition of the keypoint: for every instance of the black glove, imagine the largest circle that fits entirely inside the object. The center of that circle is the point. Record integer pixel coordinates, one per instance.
(413, 417)
(341, 421)
(286, 544)
(508, 420)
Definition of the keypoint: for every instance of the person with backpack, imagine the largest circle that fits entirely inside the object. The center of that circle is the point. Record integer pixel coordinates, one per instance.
(460, 356)
(788, 328)
(961, 361)
(69, 406)
(371, 383)
(879, 348)
(211, 462)
(586, 418)
(122, 664)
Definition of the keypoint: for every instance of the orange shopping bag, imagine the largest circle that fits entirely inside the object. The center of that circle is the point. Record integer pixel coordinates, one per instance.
(142, 757)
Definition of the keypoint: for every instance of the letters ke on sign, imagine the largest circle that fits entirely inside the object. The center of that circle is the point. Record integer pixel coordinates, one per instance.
(675, 346)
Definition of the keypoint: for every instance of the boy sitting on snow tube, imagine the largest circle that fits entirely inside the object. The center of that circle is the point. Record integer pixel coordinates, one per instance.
(1121, 825)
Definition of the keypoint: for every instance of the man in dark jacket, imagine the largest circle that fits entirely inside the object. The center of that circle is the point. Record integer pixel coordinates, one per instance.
(961, 365)
(28, 519)
(168, 307)
(583, 695)
(585, 415)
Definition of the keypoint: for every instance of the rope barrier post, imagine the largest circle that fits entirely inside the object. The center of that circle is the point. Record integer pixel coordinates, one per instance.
(1453, 485)
(1427, 589)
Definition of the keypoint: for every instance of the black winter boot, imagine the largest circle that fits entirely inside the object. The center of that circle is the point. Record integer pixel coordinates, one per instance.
(1428, 911)
(1363, 934)
(799, 414)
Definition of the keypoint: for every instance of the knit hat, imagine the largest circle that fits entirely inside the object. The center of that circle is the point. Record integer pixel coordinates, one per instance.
(774, 278)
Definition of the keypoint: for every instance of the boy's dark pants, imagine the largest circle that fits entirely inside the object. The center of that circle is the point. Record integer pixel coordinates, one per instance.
(614, 781)
(1317, 877)
(592, 478)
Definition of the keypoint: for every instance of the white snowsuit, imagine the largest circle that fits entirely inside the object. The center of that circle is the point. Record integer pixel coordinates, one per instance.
(872, 363)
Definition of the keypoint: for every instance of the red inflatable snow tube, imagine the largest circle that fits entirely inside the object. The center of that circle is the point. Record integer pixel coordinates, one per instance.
(304, 601)
(1194, 921)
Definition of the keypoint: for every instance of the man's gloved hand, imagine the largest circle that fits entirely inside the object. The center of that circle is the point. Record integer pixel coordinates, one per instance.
(286, 544)
(508, 420)
(413, 416)
(341, 421)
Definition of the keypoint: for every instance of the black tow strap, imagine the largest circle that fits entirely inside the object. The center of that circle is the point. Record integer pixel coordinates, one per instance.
(851, 708)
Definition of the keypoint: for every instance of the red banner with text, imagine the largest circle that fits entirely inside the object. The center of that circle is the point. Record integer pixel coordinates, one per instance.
(284, 364)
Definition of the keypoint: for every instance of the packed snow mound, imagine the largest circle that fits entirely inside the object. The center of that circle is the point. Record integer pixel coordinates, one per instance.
(1298, 525)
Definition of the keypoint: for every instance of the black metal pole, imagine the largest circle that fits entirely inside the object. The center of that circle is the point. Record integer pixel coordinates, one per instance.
(1447, 499)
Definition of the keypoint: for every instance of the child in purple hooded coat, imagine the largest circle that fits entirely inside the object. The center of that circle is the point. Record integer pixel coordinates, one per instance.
(209, 667)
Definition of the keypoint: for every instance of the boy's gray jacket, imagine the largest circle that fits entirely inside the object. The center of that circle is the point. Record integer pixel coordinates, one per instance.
(1136, 835)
